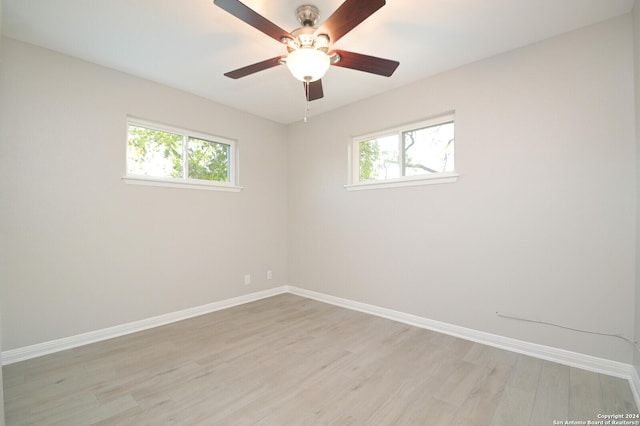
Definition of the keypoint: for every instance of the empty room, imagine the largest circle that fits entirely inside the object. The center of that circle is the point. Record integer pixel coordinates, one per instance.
(345, 212)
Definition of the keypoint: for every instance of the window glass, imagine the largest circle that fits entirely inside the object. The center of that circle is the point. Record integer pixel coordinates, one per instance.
(380, 158)
(154, 153)
(208, 160)
(428, 150)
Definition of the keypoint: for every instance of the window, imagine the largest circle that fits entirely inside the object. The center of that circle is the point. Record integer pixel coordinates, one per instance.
(415, 154)
(167, 156)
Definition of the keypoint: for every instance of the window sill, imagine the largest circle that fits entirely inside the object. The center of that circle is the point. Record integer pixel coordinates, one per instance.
(433, 179)
(183, 184)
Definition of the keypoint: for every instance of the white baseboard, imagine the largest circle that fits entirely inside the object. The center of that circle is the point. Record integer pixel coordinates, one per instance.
(40, 349)
(561, 356)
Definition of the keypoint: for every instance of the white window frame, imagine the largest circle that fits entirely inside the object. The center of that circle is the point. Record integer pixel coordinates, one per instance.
(186, 183)
(426, 179)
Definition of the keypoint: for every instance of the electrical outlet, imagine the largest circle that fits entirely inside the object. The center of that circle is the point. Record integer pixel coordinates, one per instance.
(269, 275)
(247, 279)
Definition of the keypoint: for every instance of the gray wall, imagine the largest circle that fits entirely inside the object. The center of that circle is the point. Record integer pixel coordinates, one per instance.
(86, 251)
(636, 39)
(2, 267)
(540, 223)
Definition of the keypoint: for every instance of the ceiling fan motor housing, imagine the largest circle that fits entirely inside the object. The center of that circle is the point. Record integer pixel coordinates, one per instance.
(305, 36)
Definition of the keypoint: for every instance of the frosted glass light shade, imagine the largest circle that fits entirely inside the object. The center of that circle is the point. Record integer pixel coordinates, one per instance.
(308, 64)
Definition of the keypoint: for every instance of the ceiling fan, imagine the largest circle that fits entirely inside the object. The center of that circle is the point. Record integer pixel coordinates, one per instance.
(309, 56)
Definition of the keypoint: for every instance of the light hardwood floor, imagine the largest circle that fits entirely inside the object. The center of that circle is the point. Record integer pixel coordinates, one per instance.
(288, 360)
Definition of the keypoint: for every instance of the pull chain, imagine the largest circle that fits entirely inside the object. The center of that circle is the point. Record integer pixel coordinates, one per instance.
(307, 95)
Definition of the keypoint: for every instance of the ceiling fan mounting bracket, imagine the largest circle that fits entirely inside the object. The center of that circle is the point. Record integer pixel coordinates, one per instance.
(307, 15)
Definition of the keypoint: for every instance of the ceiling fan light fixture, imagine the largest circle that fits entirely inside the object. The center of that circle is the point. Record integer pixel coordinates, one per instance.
(308, 64)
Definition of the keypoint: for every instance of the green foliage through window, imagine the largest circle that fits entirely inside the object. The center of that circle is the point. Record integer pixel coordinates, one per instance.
(208, 160)
(369, 154)
(154, 153)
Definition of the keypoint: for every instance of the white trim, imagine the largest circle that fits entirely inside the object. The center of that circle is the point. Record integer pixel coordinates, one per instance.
(21, 354)
(181, 183)
(435, 120)
(561, 356)
(154, 125)
(429, 179)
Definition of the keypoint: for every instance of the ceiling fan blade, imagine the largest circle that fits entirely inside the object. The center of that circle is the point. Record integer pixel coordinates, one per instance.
(253, 68)
(314, 90)
(348, 16)
(253, 18)
(366, 63)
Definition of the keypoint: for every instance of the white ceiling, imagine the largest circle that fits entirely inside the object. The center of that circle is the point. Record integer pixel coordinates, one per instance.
(190, 44)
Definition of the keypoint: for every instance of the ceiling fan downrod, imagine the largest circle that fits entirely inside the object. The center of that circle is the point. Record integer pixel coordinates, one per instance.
(308, 15)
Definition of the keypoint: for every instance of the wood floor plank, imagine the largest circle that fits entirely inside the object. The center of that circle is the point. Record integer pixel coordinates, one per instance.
(517, 402)
(617, 396)
(515, 407)
(585, 395)
(291, 360)
(552, 395)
